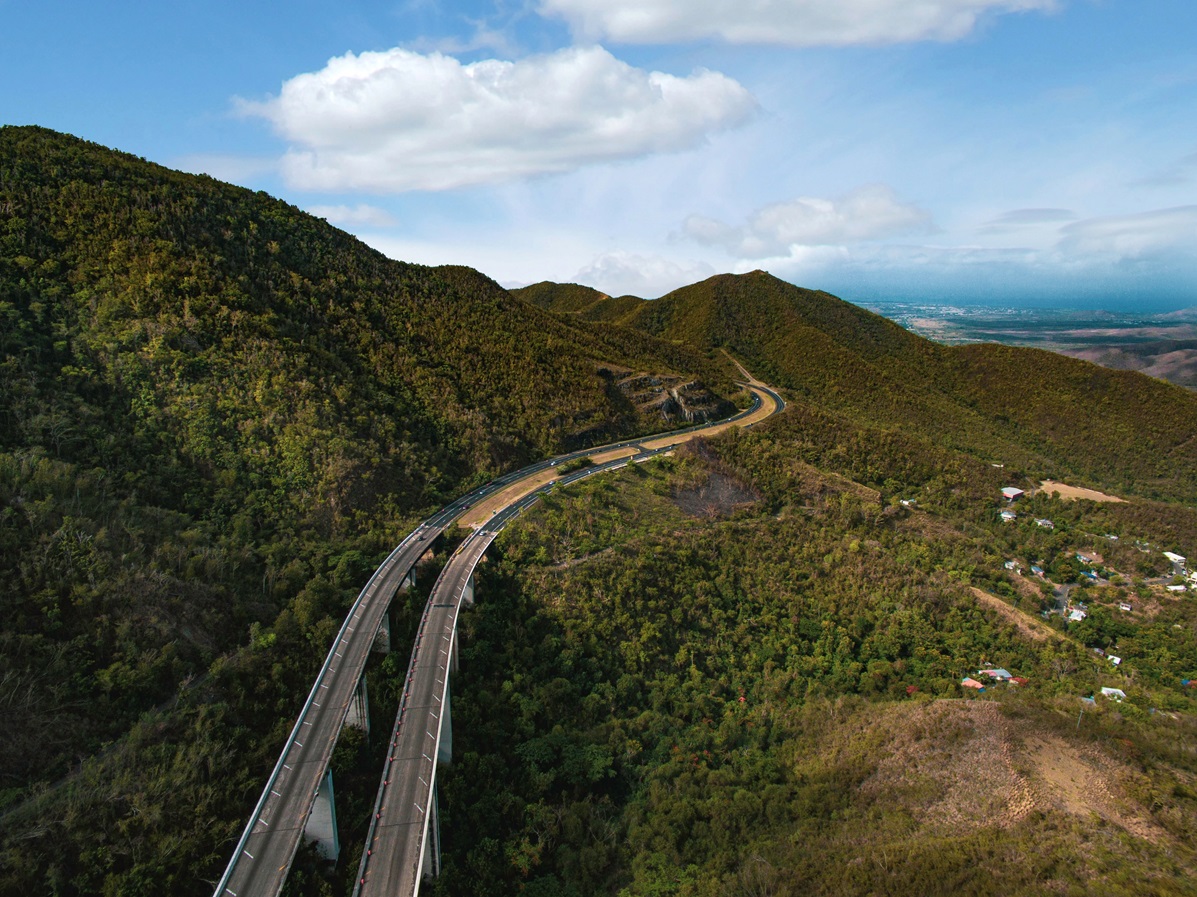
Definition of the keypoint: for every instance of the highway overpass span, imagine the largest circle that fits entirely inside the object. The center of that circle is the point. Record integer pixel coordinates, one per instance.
(297, 800)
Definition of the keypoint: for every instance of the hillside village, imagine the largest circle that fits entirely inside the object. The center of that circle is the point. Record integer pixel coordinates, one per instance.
(1091, 587)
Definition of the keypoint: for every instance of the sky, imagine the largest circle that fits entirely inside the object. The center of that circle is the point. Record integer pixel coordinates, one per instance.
(997, 152)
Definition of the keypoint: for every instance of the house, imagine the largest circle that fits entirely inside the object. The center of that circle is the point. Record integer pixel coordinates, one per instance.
(1089, 700)
(1008, 515)
(1114, 694)
(1176, 588)
(1089, 574)
(998, 673)
(1178, 562)
(1111, 537)
(1117, 661)
(1036, 569)
(1019, 680)
(972, 683)
(1011, 565)
(1099, 652)
(1044, 522)
(1012, 493)
(1088, 557)
(1076, 615)
(1125, 608)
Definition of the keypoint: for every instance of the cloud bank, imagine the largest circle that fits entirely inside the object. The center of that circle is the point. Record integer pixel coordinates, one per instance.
(796, 23)
(398, 120)
(646, 276)
(869, 213)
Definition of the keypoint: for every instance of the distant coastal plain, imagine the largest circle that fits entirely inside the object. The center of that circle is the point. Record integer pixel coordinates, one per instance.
(1160, 345)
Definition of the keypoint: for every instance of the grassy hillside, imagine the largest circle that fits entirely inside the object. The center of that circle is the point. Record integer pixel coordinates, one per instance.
(759, 692)
(564, 298)
(1033, 410)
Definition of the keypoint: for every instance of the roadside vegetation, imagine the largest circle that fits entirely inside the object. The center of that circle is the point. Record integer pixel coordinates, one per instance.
(766, 698)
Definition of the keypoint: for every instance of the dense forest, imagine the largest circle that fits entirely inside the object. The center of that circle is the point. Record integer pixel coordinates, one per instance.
(216, 414)
(733, 671)
(759, 692)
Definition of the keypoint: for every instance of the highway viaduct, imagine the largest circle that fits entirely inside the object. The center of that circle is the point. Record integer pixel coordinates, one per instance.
(403, 842)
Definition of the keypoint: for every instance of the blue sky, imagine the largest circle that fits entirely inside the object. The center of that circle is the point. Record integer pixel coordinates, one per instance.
(1039, 152)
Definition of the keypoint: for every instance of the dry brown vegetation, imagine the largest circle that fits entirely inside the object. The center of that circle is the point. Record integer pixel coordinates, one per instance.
(975, 767)
(1027, 625)
(1073, 493)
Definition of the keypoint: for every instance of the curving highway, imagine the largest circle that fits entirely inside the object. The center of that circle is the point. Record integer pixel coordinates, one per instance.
(404, 819)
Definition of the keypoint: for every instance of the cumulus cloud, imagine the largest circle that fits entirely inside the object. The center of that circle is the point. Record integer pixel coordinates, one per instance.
(398, 120)
(798, 23)
(625, 273)
(351, 216)
(1133, 236)
(869, 213)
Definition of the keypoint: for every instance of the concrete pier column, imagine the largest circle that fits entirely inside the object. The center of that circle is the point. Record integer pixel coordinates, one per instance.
(409, 581)
(444, 750)
(358, 714)
(432, 844)
(382, 639)
(467, 594)
(321, 826)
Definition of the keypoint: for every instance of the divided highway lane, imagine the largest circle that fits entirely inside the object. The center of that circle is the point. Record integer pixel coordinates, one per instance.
(404, 812)
(267, 847)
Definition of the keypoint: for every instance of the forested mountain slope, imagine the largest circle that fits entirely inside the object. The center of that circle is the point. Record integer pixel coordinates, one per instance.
(216, 413)
(1029, 408)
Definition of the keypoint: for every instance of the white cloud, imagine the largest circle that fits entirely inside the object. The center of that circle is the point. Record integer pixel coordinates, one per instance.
(361, 215)
(648, 276)
(1133, 236)
(799, 23)
(398, 120)
(869, 213)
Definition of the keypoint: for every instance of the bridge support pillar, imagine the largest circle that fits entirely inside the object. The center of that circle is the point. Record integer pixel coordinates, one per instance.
(432, 844)
(321, 826)
(444, 751)
(409, 581)
(467, 593)
(358, 713)
(382, 639)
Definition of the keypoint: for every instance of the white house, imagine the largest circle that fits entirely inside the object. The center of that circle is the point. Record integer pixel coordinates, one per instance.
(1115, 694)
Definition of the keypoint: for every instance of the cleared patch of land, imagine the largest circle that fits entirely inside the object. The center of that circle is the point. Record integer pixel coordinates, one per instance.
(973, 765)
(1073, 493)
(1033, 628)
